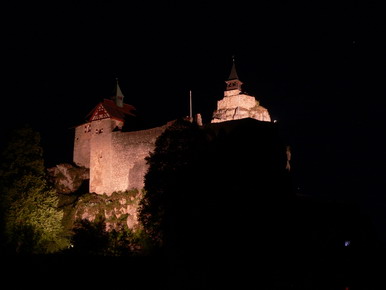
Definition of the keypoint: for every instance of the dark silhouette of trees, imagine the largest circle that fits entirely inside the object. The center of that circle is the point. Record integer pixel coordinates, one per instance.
(91, 238)
(171, 177)
(215, 194)
(220, 204)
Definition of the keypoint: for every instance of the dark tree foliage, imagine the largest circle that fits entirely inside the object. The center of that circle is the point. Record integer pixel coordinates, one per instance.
(219, 202)
(30, 221)
(91, 238)
(196, 172)
(204, 184)
(170, 178)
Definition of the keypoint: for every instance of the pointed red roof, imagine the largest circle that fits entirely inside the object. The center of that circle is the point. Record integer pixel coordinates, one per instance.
(113, 110)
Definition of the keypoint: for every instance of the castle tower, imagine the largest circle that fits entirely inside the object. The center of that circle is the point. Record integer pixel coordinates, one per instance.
(236, 104)
(93, 139)
(233, 84)
(115, 156)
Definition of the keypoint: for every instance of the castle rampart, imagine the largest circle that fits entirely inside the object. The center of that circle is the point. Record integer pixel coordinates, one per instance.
(116, 159)
(128, 153)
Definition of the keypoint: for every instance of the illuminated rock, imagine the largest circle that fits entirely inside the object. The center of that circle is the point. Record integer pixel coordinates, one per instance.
(68, 178)
(237, 105)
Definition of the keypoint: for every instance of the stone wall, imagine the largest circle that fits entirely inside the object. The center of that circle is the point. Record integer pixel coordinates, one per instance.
(100, 156)
(81, 153)
(116, 159)
(129, 150)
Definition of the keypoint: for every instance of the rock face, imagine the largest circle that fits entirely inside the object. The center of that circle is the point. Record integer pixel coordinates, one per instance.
(68, 178)
(118, 209)
(239, 106)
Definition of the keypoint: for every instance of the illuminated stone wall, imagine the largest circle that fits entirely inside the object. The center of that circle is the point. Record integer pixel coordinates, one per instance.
(81, 153)
(116, 159)
(100, 155)
(128, 153)
(83, 136)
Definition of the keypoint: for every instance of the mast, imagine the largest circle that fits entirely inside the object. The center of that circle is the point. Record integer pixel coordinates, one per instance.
(190, 105)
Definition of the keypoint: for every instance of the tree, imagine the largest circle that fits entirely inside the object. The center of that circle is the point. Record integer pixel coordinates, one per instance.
(31, 220)
(168, 181)
(215, 196)
(91, 238)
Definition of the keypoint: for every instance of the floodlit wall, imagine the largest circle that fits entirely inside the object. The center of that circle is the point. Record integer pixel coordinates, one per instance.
(81, 153)
(116, 159)
(128, 153)
(100, 156)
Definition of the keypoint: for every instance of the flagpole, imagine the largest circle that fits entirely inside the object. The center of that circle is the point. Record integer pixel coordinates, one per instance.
(190, 105)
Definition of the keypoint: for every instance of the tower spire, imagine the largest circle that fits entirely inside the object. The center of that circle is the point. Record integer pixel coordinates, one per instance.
(118, 95)
(233, 82)
(233, 75)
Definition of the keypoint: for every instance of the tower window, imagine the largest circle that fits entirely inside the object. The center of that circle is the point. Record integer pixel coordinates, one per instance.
(87, 128)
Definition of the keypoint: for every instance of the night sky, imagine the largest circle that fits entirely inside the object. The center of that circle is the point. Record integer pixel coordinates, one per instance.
(318, 68)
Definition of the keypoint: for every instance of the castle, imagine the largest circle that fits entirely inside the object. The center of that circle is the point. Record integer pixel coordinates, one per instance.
(116, 157)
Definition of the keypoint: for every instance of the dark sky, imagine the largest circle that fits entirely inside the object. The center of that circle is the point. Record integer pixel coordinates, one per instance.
(318, 68)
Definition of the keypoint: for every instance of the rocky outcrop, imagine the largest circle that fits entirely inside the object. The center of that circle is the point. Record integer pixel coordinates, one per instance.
(258, 112)
(239, 106)
(68, 178)
(118, 209)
